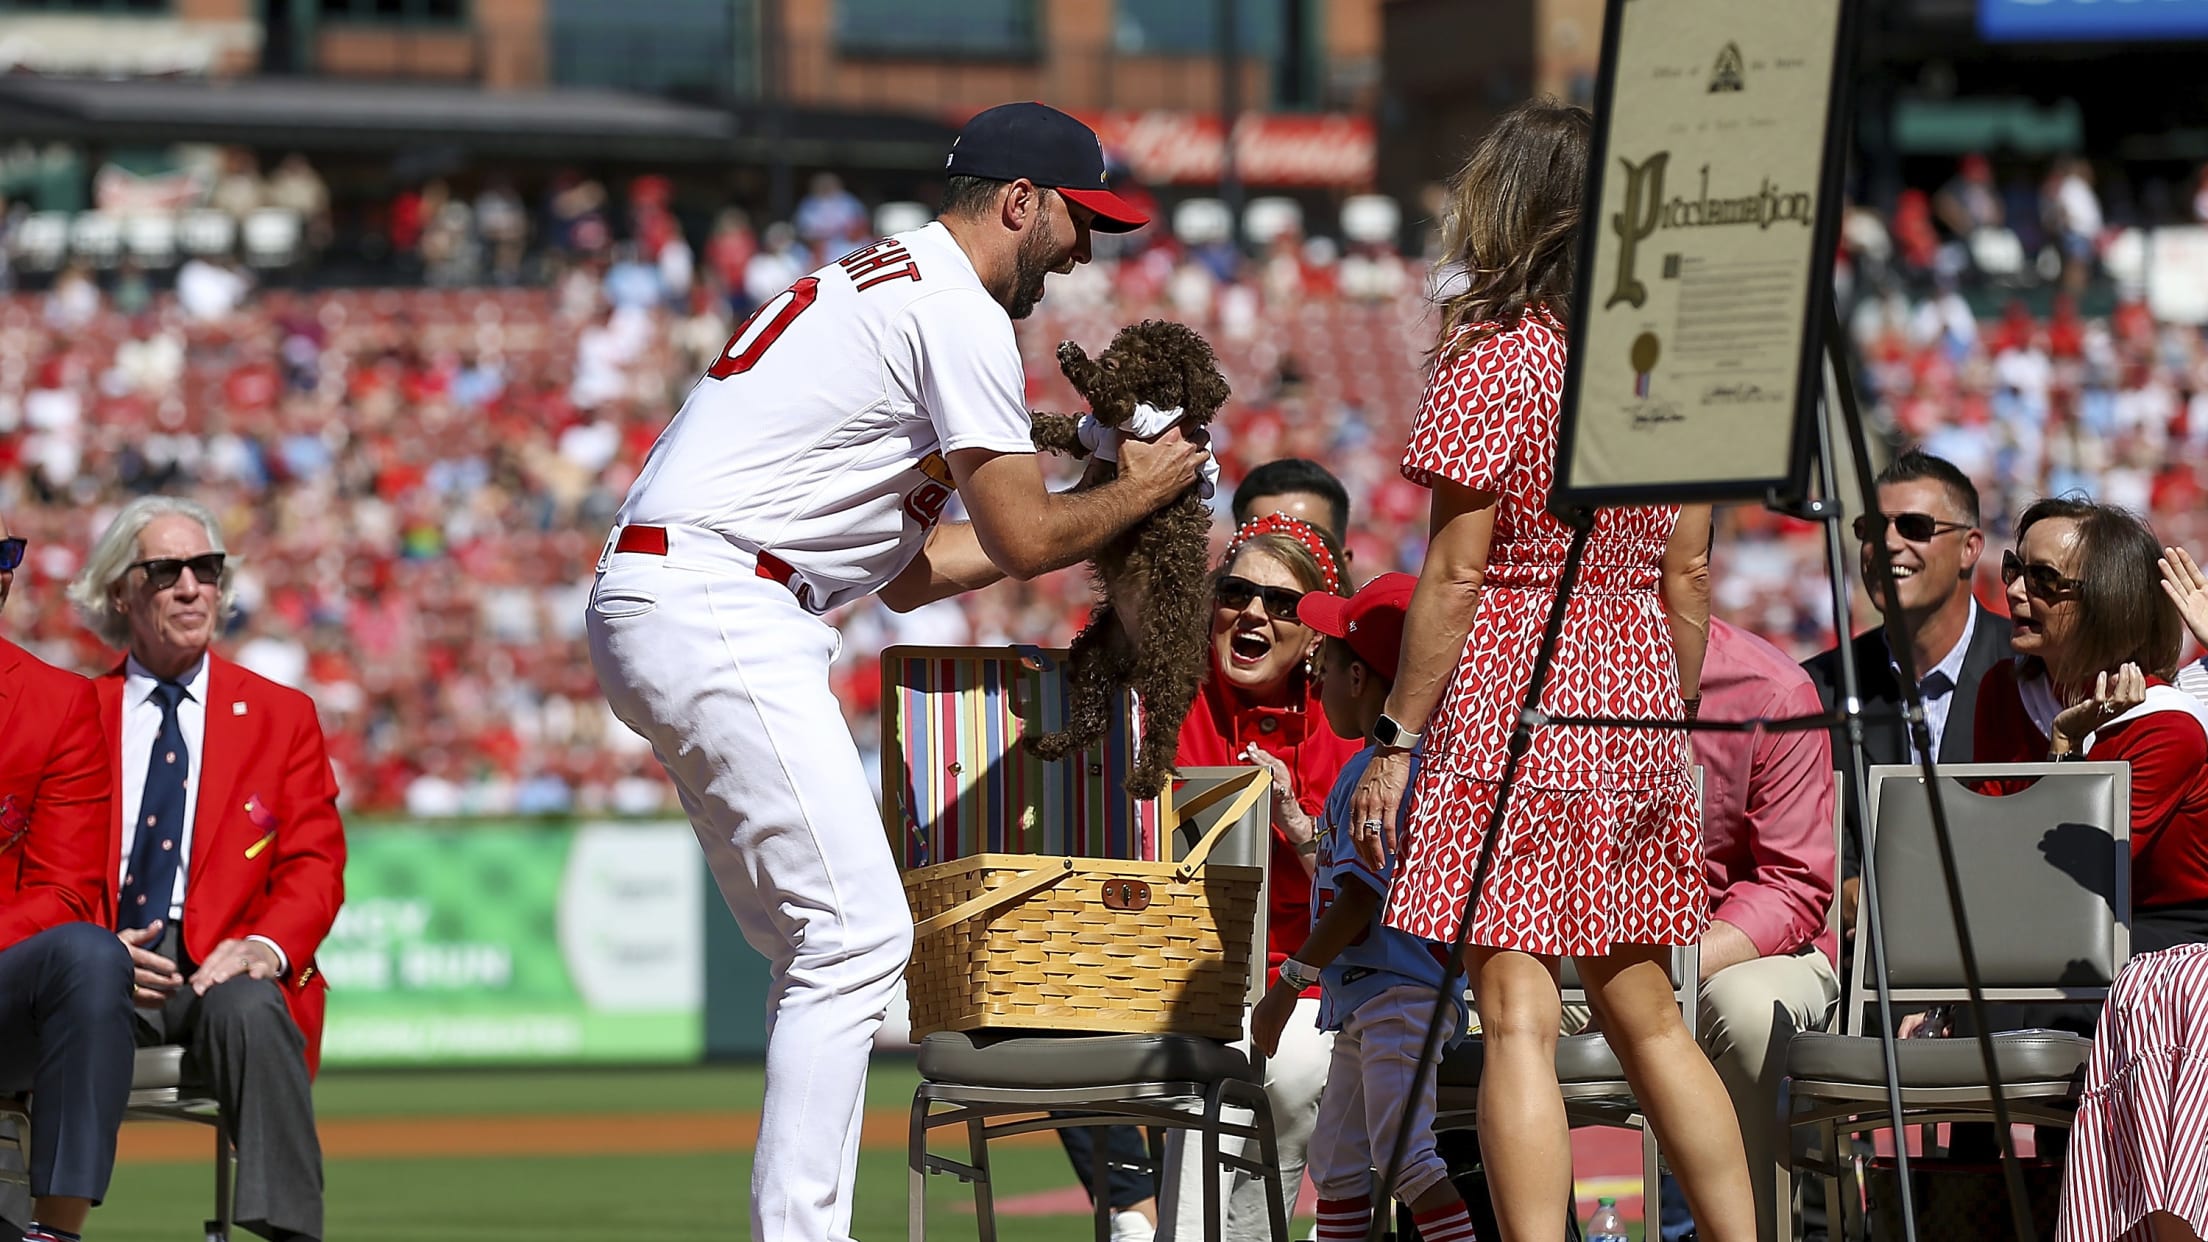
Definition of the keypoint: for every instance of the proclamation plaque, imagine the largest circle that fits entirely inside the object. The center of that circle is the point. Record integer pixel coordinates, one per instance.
(1705, 267)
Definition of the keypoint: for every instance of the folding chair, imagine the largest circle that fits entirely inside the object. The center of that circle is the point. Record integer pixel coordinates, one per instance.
(1595, 1090)
(158, 1092)
(2047, 888)
(996, 1086)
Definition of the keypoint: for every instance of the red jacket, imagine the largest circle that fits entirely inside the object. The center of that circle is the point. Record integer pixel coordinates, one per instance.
(2168, 754)
(1219, 725)
(268, 848)
(56, 801)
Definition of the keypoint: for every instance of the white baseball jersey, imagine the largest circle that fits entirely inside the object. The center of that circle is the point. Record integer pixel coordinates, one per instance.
(819, 435)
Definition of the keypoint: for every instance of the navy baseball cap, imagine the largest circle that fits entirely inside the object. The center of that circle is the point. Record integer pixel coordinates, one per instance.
(1047, 147)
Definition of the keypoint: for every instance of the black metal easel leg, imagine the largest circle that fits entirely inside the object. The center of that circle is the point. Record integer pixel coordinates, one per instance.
(1582, 522)
(1921, 738)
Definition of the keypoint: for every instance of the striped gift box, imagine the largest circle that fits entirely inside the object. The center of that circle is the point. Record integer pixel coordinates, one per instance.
(955, 782)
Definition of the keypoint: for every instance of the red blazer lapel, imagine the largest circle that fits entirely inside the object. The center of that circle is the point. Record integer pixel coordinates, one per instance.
(223, 752)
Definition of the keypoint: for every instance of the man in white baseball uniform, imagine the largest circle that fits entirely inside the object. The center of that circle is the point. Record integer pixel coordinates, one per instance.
(810, 467)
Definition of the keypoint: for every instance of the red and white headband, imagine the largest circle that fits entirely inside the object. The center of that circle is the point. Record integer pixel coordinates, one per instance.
(1299, 530)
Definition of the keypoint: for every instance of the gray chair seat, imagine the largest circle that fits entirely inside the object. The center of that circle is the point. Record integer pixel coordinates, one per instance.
(1581, 1060)
(157, 1067)
(1044, 1061)
(2040, 1057)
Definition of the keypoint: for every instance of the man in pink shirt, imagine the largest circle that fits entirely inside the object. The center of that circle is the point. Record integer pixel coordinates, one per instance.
(1767, 839)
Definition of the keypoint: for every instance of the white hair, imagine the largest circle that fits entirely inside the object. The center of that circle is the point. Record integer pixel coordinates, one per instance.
(93, 590)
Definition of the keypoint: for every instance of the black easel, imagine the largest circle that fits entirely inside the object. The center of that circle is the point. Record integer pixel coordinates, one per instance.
(1827, 509)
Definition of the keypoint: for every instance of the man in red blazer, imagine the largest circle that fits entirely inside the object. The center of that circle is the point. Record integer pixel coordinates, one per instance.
(65, 1028)
(230, 849)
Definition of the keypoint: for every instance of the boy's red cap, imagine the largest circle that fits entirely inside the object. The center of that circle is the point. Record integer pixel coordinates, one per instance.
(1371, 621)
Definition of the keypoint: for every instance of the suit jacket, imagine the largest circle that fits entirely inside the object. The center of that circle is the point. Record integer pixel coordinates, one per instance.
(1885, 737)
(268, 848)
(57, 810)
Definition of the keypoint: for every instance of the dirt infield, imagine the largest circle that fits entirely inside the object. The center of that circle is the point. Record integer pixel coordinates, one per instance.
(553, 1134)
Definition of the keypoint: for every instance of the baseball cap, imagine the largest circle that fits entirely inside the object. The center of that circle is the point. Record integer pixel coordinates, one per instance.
(1371, 621)
(1049, 148)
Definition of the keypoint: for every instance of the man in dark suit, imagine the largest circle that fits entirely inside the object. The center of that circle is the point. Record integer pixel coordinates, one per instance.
(227, 891)
(1934, 534)
(65, 1031)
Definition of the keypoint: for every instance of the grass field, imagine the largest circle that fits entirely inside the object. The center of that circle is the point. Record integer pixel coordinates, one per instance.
(554, 1156)
(161, 1194)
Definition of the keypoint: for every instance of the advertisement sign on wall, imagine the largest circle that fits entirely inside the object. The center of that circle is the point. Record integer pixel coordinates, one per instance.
(2000, 20)
(518, 942)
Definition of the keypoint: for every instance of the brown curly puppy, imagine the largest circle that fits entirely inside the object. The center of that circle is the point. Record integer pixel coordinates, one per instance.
(1153, 631)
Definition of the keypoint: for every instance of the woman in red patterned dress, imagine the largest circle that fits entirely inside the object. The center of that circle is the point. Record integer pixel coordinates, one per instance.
(1601, 855)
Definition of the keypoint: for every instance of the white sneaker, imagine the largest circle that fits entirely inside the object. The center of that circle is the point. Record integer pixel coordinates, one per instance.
(1131, 1227)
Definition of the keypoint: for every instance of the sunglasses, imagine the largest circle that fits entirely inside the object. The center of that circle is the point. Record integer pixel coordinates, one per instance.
(1914, 527)
(163, 571)
(2040, 581)
(11, 552)
(1280, 602)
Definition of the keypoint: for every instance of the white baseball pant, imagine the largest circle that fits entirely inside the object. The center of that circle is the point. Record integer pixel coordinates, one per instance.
(1375, 1081)
(1293, 1079)
(728, 679)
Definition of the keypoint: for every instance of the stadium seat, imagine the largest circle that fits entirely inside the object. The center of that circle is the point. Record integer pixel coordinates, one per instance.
(207, 232)
(272, 236)
(151, 238)
(996, 1085)
(1267, 218)
(1201, 221)
(2050, 920)
(1998, 253)
(96, 237)
(42, 241)
(900, 217)
(1371, 219)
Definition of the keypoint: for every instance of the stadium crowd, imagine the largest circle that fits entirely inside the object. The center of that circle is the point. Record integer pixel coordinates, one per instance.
(424, 475)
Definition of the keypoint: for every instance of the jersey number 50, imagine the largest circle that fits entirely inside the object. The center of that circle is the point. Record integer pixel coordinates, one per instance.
(771, 320)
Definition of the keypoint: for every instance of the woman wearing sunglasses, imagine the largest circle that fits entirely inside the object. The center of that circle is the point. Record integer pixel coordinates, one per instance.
(1600, 855)
(2097, 639)
(1260, 705)
(2097, 642)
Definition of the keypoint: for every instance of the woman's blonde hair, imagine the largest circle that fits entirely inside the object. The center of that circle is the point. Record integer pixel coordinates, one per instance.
(1512, 225)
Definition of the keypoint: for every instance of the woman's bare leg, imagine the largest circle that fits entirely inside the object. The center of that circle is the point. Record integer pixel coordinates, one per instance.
(1523, 1138)
(1677, 1087)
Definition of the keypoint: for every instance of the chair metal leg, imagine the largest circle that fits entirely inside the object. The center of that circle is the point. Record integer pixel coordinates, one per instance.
(1100, 1189)
(916, 1165)
(225, 1182)
(1268, 1148)
(1651, 1170)
(985, 1193)
(1214, 1110)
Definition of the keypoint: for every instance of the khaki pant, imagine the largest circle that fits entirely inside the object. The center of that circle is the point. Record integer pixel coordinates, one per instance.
(1749, 1012)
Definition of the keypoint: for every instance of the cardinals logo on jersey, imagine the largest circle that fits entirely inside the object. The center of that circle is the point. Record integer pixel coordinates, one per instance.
(924, 504)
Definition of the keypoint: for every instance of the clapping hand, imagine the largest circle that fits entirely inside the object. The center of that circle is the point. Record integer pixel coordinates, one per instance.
(2112, 696)
(2187, 587)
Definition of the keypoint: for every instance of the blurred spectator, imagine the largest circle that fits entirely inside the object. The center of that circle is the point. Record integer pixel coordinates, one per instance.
(831, 219)
(504, 228)
(1969, 202)
(210, 289)
(776, 267)
(239, 189)
(728, 252)
(295, 186)
(2072, 212)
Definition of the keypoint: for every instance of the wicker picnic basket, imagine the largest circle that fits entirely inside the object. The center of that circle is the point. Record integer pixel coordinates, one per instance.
(1088, 944)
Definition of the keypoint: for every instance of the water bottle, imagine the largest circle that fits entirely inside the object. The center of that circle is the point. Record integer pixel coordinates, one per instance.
(1607, 1226)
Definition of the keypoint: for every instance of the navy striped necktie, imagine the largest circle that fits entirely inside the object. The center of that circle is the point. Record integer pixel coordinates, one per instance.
(154, 857)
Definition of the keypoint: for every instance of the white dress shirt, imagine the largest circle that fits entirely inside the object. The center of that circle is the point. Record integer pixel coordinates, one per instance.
(1938, 687)
(141, 725)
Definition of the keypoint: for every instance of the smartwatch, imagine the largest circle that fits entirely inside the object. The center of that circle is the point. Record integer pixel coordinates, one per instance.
(1391, 734)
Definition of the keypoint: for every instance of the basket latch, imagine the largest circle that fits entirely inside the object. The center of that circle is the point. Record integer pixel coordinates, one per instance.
(1126, 895)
